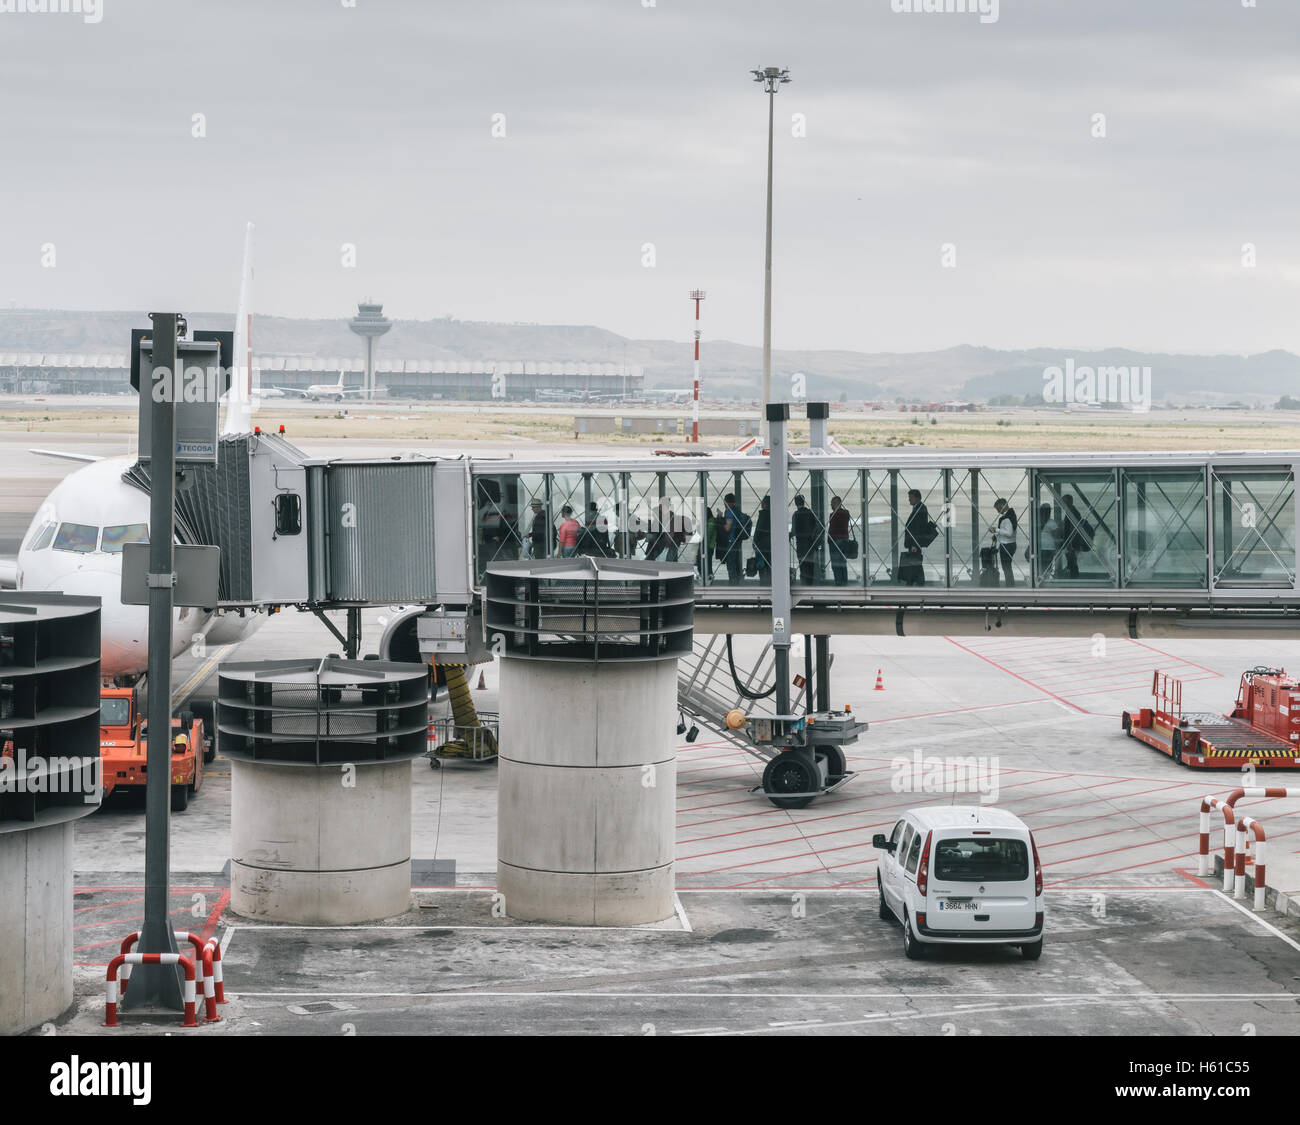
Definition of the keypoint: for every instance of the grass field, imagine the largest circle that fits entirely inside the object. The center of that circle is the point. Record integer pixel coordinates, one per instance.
(470, 424)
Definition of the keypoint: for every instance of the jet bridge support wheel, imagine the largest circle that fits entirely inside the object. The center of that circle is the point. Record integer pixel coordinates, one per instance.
(790, 772)
(836, 764)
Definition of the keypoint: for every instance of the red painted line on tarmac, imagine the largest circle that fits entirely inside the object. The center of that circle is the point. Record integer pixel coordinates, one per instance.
(1191, 877)
(1180, 659)
(108, 905)
(911, 799)
(1114, 812)
(210, 926)
(955, 711)
(776, 843)
(121, 921)
(783, 858)
(770, 880)
(1013, 675)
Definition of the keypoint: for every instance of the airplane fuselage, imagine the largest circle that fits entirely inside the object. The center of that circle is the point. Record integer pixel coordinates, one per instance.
(74, 545)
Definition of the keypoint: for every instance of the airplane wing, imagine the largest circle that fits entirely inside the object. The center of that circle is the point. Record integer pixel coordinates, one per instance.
(64, 455)
(8, 574)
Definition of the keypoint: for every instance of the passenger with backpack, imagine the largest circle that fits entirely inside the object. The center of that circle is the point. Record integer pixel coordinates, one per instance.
(919, 532)
(806, 534)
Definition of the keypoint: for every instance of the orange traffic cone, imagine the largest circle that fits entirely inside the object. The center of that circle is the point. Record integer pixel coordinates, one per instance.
(880, 683)
(482, 683)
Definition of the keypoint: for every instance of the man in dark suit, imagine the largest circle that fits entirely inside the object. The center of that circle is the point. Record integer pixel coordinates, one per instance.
(911, 564)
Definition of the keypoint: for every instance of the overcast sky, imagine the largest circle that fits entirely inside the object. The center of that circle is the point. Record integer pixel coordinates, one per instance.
(627, 124)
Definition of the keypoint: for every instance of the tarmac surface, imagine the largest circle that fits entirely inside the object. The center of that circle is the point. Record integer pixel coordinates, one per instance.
(777, 930)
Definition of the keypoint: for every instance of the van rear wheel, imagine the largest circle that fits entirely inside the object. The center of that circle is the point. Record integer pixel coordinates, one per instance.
(912, 948)
(1033, 951)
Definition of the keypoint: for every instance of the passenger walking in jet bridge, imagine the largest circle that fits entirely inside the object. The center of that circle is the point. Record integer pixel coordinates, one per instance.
(569, 531)
(683, 533)
(763, 542)
(1004, 538)
(837, 530)
(805, 533)
(1049, 541)
(918, 532)
(595, 535)
(1077, 536)
(736, 526)
(538, 532)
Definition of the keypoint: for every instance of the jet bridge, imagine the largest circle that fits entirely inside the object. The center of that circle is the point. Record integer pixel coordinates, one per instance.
(1143, 543)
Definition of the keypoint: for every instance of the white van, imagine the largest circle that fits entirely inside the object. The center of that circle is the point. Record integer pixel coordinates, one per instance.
(960, 875)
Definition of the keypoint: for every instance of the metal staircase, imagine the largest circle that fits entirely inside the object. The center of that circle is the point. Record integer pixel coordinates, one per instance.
(706, 691)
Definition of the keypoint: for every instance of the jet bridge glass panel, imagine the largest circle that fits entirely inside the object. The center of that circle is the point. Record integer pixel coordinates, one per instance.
(1254, 527)
(988, 546)
(1165, 538)
(1085, 508)
(890, 562)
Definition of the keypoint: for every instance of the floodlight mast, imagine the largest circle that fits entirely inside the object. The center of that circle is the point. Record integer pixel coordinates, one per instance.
(770, 78)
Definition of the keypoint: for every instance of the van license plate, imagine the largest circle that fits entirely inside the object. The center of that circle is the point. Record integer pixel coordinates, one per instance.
(951, 904)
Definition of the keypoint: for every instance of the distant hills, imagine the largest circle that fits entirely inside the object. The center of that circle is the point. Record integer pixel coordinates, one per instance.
(731, 370)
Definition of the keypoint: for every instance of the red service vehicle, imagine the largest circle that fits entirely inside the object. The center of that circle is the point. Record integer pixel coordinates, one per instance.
(1262, 730)
(123, 745)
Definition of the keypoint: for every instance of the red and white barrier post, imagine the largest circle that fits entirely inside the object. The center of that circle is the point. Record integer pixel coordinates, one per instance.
(111, 984)
(1246, 830)
(1203, 859)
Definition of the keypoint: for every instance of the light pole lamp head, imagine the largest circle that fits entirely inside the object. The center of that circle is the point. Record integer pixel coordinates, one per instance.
(771, 77)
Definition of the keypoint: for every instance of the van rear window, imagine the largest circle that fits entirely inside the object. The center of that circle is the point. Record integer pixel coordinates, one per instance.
(985, 861)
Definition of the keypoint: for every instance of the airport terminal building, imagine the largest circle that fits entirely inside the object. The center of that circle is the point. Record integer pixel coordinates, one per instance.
(457, 380)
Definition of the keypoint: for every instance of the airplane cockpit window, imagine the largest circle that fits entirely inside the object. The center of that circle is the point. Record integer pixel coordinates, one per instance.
(79, 537)
(118, 534)
(114, 711)
(42, 538)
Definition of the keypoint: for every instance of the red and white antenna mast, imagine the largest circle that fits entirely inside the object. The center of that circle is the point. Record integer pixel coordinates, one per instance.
(697, 295)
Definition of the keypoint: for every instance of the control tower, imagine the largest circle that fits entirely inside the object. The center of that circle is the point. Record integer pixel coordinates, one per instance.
(369, 323)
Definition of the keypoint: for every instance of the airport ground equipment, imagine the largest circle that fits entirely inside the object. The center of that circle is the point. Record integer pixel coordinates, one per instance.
(320, 808)
(49, 777)
(586, 794)
(804, 754)
(447, 640)
(1262, 730)
(124, 744)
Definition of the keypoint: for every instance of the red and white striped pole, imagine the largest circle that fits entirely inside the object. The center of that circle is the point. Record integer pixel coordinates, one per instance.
(697, 295)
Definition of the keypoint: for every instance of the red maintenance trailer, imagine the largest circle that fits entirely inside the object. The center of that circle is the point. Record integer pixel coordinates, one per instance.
(1262, 730)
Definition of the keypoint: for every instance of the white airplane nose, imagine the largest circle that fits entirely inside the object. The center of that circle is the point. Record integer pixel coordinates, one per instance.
(123, 629)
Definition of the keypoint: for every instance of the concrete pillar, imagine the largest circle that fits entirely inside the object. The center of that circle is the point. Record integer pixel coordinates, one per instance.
(320, 845)
(586, 811)
(35, 926)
